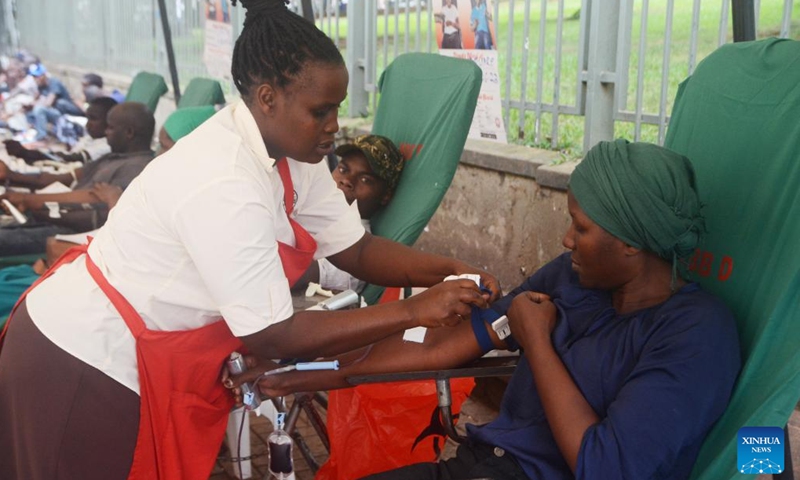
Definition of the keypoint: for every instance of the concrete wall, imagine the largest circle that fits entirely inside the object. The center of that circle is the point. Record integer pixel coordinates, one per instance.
(504, 223)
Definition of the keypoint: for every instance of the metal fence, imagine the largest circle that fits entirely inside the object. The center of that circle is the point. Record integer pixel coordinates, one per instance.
(117, 37)
(572, 71)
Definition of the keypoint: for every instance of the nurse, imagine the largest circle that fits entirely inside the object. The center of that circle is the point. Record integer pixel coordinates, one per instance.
(110, 366)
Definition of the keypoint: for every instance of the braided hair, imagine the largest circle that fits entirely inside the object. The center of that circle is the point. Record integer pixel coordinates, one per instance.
(275, 44)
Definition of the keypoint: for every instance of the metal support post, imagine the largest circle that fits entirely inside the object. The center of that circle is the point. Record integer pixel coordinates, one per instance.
(357, 46)
(308, 10)
(173, 69)
(599, 75)
(744, 20)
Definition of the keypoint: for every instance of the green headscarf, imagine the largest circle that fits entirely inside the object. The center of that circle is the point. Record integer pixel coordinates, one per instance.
(183, 121)
(643, 194)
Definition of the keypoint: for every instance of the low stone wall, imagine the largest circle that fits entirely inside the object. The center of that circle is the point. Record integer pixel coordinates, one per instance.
(504, 223)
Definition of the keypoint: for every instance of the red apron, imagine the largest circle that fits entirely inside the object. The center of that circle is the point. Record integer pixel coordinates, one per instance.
(297, 259)
(184, 407)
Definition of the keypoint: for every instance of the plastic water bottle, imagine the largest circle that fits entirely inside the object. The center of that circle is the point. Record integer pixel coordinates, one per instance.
(281, 465)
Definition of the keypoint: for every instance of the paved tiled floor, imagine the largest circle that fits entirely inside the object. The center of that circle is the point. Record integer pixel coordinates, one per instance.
(260, 428)
(480, 408)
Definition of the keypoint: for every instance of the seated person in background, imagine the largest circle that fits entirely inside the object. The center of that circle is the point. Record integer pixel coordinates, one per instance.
(129, 134)
(89, 148)
(367, 174)
(181, 123)
(625, 366)
(17, 279)
(52, 102)
(92, 86)
(22, 90)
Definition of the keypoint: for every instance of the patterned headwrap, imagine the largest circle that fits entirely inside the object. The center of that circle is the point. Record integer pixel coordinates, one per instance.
(643, 194)
(382, 154)
(183, 121)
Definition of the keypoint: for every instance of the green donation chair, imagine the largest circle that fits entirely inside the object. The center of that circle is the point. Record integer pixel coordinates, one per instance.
(736, 119)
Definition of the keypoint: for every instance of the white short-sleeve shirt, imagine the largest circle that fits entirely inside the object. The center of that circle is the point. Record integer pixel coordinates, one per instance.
(92, 148)
(331, 278)
(194, 238)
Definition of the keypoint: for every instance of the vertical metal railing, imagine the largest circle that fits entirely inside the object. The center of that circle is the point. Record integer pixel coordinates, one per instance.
(557, 76)
(662, 104)
(396, 32)
(624, 48)
(723, 23)
(385, 38)
(640, 72)
(510, 52)
(693, 36)
(370, 63)
(540, 70)
(523, 82)
(787, 18)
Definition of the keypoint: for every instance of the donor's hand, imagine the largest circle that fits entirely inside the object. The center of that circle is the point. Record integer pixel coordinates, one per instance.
(532, 317)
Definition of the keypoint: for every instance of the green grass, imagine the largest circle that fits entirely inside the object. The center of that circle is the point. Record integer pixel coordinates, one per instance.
(522, 127)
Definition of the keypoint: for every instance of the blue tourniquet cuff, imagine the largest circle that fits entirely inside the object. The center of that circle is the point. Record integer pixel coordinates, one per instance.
(479, 329)
(480, 319)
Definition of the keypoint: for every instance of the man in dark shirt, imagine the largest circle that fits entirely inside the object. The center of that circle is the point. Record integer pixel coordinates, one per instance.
(54, 101)
(129, 134)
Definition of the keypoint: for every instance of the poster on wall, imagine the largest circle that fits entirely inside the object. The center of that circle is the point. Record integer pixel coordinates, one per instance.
(218, 48)
(466, 29)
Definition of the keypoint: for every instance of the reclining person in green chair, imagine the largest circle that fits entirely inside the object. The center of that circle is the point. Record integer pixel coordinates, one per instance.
(367, 174)
(625, 365)
(88, 149)
(129, 133)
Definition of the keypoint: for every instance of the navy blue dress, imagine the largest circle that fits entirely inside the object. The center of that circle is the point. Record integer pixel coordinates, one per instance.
(658, 378)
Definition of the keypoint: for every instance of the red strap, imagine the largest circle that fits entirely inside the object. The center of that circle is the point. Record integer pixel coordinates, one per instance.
(288, 186)
(125, 309)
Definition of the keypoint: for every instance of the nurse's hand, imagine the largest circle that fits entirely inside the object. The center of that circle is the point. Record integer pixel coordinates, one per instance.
(445, 304)
(254, 369)
(488, 281)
